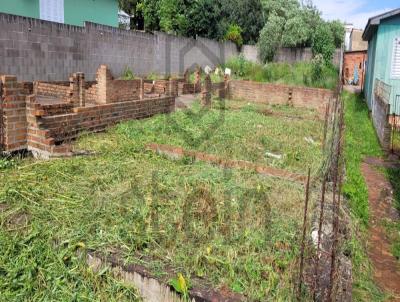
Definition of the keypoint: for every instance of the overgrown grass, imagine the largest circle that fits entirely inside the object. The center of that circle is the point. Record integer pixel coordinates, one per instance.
(298, 74)
(360, 141)
(233, 228)
(245, 134)
(393, 227)
(396, 141)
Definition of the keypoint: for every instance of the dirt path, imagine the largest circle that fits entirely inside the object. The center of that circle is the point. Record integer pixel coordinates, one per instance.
(386, 267)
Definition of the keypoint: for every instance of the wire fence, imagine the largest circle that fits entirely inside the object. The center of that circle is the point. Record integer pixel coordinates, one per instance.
(319, 264)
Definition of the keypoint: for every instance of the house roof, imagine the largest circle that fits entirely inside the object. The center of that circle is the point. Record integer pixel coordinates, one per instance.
(374, 22)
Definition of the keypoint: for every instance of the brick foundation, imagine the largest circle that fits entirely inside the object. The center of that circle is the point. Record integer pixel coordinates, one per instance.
(178, 153)
(267, 93)
(45, 128)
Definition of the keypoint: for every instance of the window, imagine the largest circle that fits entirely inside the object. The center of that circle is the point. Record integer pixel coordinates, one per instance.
(395, 73)
(52, 10)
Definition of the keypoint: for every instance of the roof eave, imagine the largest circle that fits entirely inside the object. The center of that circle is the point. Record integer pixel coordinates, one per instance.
(375, 21)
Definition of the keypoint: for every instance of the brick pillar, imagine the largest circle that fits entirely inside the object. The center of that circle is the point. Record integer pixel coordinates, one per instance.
(206, 92)
(73, 90)
(197, 81)
(141, 89)
(12, 114)
(103, 78)
(226, 87)
(186, 76)
(81, 88)
(77, 89)
(172, 88)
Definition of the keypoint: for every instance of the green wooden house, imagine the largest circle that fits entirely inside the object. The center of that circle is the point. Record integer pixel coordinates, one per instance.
(73, 12)
(383, 35)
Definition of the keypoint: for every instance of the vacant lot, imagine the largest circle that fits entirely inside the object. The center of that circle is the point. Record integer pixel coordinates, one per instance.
(234, 228)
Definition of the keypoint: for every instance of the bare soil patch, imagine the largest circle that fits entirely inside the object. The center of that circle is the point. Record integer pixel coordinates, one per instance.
(386, 267)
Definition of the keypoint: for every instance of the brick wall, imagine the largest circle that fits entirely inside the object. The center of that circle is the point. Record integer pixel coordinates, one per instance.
(354, 59)
(267, 93)
(47, 132)
(60, 90)
(111, 91)
(44, 127)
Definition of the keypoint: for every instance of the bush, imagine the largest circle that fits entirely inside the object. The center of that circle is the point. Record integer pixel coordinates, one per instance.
(270, 38)
(128, 74)
(234, 34)
(317, 68)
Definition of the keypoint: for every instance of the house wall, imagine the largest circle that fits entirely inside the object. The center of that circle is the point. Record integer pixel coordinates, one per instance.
(96, 11)
(380, 52)
(26, 8)
(351, 61)
(76, 12)
(356, 41)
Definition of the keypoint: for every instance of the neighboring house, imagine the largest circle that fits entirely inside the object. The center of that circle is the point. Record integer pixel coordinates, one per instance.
(74, 12)
(124, 20)
(356, 41)
(348, 27)
(383, 35)
(354, 67)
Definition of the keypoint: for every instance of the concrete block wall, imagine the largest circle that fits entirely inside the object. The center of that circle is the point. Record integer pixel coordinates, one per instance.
(275, 94)
(34, 49)
(286, 54)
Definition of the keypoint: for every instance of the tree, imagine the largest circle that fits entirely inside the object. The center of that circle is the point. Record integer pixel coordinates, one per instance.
(338, 32)
(324, 42)
(202, 17)
(172, 16)
(150, 14)
(289, 24)
(271, 37)
(247, 14)
(134, 9)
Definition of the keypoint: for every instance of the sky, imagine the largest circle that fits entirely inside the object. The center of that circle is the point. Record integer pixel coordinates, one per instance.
(356, 12)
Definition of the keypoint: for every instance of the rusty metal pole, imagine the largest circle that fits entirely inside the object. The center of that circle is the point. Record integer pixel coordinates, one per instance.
(303, 239)
(320, 226)
(336, 203)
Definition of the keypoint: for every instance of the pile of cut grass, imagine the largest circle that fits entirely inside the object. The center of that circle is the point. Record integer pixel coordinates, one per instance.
(233, 228)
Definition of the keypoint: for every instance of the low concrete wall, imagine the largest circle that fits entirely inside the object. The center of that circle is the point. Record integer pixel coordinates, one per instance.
(381, 113)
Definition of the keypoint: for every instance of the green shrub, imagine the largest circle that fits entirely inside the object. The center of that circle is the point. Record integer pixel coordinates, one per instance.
(234, 34)
(324, 43)
(128, 74)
